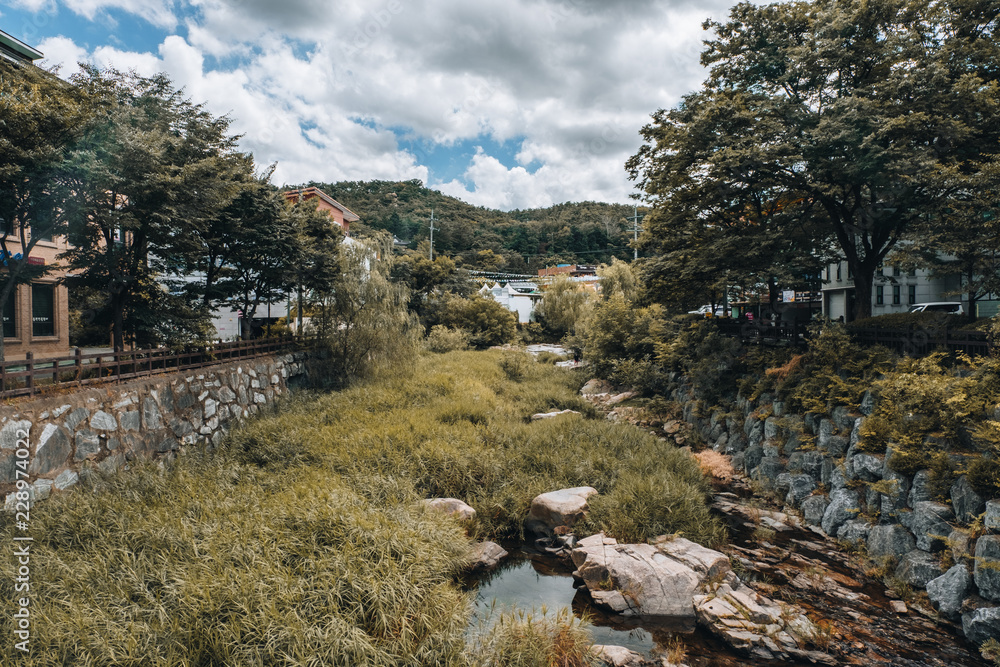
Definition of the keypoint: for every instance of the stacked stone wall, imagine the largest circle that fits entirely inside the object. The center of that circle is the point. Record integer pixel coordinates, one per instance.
(813, 462)
(51, 442)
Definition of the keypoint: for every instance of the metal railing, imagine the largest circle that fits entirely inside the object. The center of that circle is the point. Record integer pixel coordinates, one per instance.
(914, 340)
(30, 376)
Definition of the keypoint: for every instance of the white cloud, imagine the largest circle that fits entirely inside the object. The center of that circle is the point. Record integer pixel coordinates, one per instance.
(572, 80)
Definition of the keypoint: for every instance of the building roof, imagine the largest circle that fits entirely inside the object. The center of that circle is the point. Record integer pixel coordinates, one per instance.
(14, 49)
(309, 193)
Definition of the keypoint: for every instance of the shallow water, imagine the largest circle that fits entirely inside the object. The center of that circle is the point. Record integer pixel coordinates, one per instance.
(534, 582)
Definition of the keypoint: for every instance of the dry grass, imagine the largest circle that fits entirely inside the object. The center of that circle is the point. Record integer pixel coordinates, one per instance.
(301, 541)
(716, 465)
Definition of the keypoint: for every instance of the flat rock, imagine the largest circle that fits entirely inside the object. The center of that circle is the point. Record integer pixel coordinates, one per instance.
(452, 506)
(616, 656)
(636, 579)
(487, 555)
(549, 415)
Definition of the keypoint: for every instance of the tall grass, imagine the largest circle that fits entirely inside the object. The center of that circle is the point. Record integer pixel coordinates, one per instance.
(301, 541)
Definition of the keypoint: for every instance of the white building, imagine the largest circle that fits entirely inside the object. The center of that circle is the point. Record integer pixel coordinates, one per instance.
(518, 297)
(893, 291)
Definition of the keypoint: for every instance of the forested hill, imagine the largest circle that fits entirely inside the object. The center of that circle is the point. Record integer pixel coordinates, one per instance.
(518, 241)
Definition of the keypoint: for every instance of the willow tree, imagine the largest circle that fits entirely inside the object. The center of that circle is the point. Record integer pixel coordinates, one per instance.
(822, 126)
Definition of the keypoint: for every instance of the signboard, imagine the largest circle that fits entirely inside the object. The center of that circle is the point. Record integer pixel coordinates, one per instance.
(788, 295)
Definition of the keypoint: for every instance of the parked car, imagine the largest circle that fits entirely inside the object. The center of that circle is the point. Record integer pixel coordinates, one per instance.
(950, 307)
(706, 310)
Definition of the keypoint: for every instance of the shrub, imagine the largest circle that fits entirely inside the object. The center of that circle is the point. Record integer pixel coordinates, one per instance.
(445, 339)
(564, 304)
(487, 322)
(523, 639)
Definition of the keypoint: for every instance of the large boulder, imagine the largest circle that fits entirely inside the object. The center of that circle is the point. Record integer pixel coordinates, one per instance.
(992, 518)
(596, 386)
(947, 591)
(558, 508)
(617, 656)
(965, 501)
(917, 568)
(813, 509)
(707, 562)
(920, 488)
(929, 523)
(843, 507)
(981, 624)
(866, 467)
(637, 579)
(986, 570)
(854, 531)
(890, 540)
(799, 488)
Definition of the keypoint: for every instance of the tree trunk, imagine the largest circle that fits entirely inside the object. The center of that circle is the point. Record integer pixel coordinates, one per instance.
(118, 331)
(864, 278)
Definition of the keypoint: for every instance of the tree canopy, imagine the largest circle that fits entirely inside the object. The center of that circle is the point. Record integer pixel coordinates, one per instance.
(822, 131)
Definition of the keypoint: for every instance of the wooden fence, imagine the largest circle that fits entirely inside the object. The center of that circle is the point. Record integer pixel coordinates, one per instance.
(914, 341)
(29, 376)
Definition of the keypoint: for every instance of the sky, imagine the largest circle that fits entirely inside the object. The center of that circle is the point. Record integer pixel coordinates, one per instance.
(502, 103)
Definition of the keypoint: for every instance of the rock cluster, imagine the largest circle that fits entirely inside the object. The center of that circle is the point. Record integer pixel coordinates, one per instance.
(854, 496)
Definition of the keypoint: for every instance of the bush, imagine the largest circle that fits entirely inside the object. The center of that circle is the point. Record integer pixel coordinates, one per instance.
(445, 339)
(487, 322)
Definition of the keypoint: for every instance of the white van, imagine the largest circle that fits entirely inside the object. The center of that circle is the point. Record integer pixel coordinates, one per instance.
(949, 307)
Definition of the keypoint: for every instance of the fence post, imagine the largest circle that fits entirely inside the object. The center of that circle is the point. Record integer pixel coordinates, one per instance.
(29, 366)
(78, 364)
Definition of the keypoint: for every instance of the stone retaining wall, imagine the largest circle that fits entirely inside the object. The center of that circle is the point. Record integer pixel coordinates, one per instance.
(55, 440)
(813, 462)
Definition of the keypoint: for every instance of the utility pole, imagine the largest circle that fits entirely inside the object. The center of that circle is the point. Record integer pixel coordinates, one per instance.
(635, 230)
(432, 235)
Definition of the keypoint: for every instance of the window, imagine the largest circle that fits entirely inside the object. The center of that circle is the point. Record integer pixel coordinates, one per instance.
(850, 272)
(895, 295)
(838, 270)
(912, 273)
(879, 295)
(896, 271)
(10, 316)
(881, 269)
(911, 294)
(827, 274)
(43, 310)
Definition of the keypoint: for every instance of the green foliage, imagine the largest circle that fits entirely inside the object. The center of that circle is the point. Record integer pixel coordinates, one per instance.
(481, 238)
(695, 348)
(833, 371)
(984, 476)
(926, 320)
(43, 119)
(487, 321)
(520, 639)
(301, 539)
(822, 125)
(444, 339)
(514, 364)
(370, 328)
(564, 306)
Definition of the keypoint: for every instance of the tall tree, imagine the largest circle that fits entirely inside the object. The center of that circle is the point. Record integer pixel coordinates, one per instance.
(150, 164)
(41, 118)
(832, 117)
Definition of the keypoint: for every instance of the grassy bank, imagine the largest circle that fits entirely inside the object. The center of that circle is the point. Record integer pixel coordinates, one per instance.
(301, 542)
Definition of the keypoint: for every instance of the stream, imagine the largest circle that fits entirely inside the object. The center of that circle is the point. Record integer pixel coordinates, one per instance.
(793, 564)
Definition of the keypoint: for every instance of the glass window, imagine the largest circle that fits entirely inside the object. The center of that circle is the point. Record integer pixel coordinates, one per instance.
(895, 295)
(911, 294)
(912, 273)
(879, 295)
(896, 271)
(881, 269)
(10, 316)
(850, 272)
(838, 271)
(43, 310)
